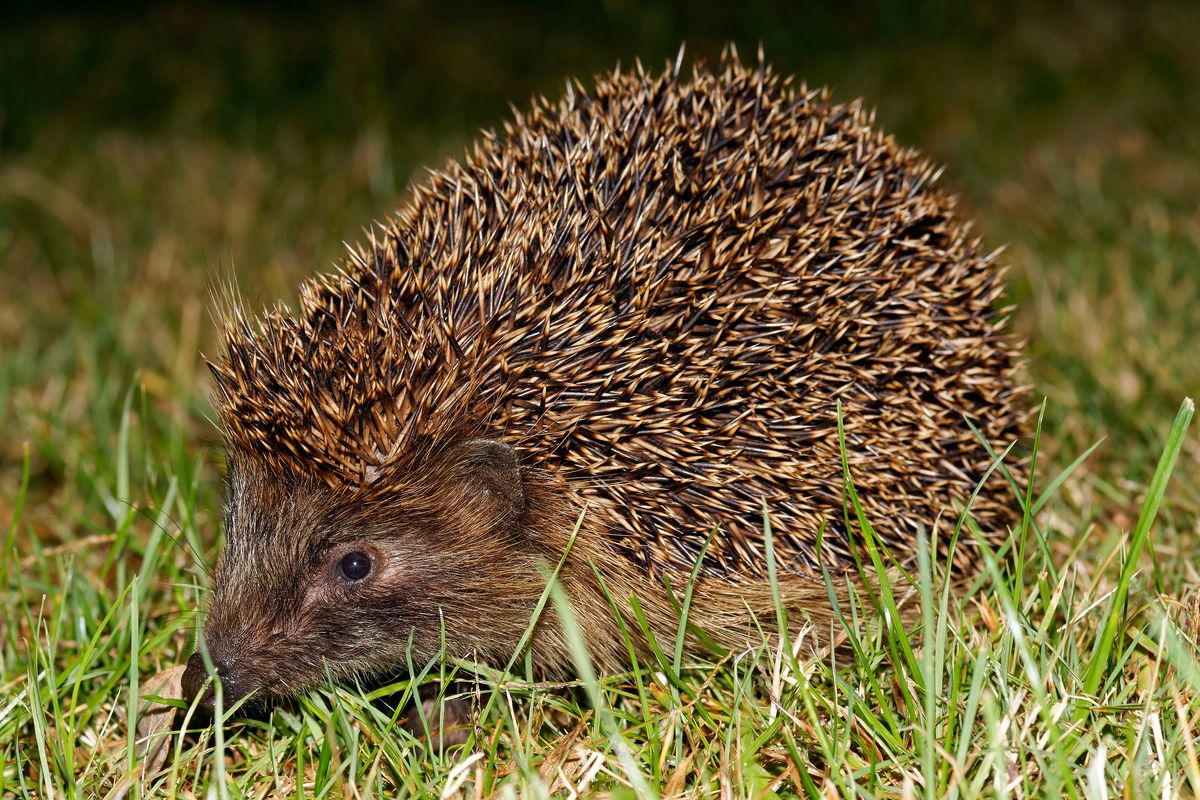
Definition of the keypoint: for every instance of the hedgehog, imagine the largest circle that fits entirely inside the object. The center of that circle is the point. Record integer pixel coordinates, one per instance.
(613, 342)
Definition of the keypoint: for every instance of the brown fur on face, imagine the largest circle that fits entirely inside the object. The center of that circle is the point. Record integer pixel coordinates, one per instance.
(449, 557)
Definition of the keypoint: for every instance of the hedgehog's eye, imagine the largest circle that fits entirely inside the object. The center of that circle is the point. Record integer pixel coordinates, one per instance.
(354, 566)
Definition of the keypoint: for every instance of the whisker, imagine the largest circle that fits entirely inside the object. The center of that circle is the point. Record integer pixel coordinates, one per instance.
(197, 559)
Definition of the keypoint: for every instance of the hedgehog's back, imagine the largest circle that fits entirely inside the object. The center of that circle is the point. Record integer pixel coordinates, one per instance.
(660, 291)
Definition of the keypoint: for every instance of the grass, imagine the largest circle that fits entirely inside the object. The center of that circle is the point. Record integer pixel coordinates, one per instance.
(164, 149)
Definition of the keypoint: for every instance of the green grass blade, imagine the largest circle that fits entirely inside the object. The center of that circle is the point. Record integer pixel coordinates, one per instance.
(1098, 665)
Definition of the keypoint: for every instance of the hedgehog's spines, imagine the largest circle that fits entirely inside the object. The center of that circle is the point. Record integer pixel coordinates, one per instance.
(655, 290)
(678, 62)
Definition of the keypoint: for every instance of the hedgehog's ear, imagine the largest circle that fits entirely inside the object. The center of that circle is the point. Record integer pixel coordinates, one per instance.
(492, 467)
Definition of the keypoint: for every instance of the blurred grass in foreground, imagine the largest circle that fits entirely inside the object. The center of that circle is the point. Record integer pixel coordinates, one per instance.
(143, 154)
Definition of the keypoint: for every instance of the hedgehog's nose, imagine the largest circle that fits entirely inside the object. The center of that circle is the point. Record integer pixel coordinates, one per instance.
(196, 676)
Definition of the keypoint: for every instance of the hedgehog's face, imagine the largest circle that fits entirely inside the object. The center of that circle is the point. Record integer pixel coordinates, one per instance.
(316, 582)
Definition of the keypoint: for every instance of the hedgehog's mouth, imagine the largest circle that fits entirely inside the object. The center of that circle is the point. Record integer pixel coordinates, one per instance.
(239, 688)
(198, 685)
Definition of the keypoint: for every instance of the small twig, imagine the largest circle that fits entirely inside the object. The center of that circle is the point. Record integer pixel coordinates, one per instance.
(69, 547)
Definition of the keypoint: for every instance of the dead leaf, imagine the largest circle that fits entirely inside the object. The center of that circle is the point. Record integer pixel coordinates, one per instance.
(154, 720)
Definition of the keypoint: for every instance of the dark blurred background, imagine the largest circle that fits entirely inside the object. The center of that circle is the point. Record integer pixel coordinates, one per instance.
(147, 147)
(253, 72)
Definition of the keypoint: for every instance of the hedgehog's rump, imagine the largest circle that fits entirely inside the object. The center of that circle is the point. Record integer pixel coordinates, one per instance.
(658, 291)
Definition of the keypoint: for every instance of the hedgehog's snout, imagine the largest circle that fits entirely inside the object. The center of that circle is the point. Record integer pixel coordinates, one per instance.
(196, 681)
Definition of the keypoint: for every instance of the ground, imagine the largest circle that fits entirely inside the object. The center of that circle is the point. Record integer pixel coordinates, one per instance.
(146, 155)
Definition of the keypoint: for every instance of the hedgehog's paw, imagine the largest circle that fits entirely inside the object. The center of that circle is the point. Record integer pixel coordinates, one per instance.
(442, 721)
